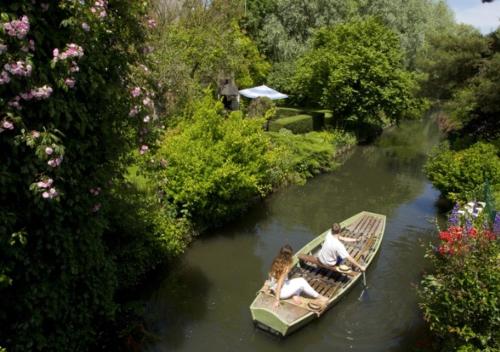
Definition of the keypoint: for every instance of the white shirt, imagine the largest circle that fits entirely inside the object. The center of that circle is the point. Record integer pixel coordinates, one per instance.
(331, 250)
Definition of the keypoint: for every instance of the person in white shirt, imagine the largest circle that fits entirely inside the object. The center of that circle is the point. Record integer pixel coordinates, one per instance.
(333, 252)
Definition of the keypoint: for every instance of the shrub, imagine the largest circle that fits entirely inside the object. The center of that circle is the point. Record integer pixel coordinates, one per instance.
(458, 175)
(460, 299)
(211, 166)
(308, 154)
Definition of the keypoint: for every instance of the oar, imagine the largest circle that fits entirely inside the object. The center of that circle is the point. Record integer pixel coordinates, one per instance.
(365, 286)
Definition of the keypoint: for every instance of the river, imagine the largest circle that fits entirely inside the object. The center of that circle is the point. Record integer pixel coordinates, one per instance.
(203, 303)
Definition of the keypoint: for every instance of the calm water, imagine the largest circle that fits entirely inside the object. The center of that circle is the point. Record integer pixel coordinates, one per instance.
(203, 304)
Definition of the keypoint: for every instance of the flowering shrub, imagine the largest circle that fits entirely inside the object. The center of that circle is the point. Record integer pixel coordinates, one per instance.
(64, 133)
(460, 299)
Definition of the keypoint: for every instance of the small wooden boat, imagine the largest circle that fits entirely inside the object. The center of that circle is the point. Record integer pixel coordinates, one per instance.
(290, 316)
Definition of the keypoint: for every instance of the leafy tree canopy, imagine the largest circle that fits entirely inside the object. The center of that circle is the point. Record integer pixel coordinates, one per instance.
(356, 70)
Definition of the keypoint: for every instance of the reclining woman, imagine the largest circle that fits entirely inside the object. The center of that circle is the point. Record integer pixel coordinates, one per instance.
(283, 287)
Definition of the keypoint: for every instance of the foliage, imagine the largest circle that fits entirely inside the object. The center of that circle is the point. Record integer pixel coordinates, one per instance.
(460, 299)
(475, 108)
(297, 124)
(309, 154)
(282, 28)
(458, 175)
(64, 133)
(450, 59)
(213, 165)
(197, 45)
(355, 69)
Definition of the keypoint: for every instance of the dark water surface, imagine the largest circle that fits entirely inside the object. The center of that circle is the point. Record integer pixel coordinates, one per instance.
(203, 305)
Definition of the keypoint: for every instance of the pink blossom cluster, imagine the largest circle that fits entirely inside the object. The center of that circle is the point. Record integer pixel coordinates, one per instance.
(70, 82)
(19, 68)
(95, 191)
(6, 125)
(35, 134)
(4, 77)
(55, 162)
(134, 111)
(39, 93)
(151, 23)
(45, 184)
(49, 191)
(135, 92)
(99, 8)
(144, 149)
(72, 50)
(17, 28)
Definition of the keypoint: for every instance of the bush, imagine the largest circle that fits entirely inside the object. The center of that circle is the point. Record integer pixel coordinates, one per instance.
(210, 166)
(460, 299)
(308, 154)
(459, 175)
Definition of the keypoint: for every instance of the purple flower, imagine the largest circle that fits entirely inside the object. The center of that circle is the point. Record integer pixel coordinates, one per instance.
(151, 23)
(496, 224)
(144, 149)
(454, 218)
(19, 68)
(42, 92)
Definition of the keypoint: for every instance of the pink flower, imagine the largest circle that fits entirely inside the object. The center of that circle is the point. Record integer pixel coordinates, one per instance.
(4, 77)
(55, 53)
(26, 96)
(42, 92)
(134, 111)
(85, 26)
(31, 45)
(49, 151)
(7, 125)
(136, 91)
(45, 195)
(17, 28)
(55, 162)
(19, 68)
(146, 119)
(144, 149)
(35, 134)
(147, 102)
(45, 184)
(151, 23)
(69, 82)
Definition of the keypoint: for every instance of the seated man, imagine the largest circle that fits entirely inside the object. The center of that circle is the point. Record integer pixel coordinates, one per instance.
(333, 252)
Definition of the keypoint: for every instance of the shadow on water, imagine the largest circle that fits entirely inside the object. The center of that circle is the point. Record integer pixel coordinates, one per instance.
(203, 303)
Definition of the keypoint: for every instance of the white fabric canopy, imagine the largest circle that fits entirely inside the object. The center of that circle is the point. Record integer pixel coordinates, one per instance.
(262, 91)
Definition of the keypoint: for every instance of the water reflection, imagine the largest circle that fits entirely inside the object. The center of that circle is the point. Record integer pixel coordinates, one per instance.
(204, 303)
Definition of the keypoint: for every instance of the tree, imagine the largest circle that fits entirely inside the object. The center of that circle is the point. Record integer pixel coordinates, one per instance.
(356, 70)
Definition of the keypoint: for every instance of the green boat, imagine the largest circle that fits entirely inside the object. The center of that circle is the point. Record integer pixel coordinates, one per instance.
(290, 316)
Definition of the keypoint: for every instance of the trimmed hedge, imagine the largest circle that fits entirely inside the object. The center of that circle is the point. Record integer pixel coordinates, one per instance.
(296, 124)
(287, 112)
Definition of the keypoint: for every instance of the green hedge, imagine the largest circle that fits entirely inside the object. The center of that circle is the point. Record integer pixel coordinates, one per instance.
(287, 112)
(296, 124)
